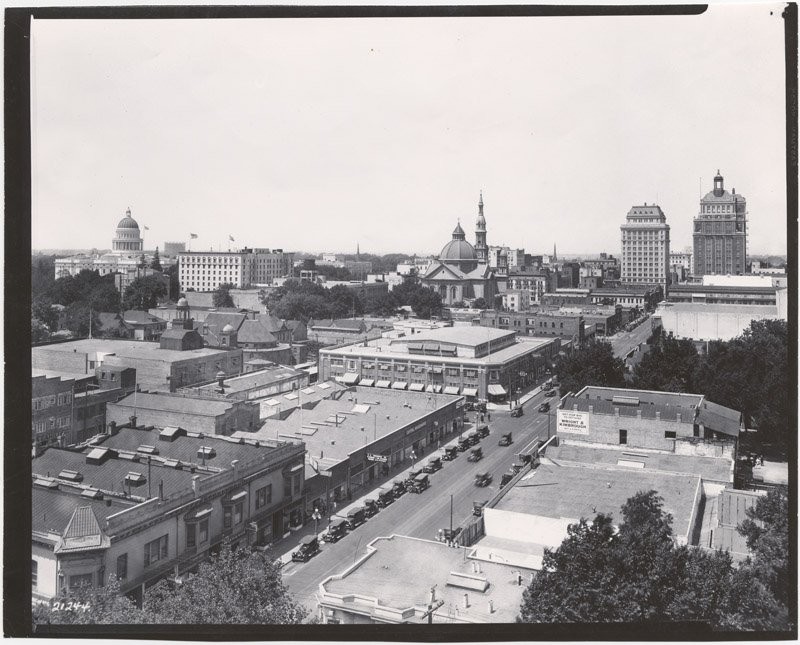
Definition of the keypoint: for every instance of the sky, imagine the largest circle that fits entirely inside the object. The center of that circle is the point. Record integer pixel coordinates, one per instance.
(318, 135)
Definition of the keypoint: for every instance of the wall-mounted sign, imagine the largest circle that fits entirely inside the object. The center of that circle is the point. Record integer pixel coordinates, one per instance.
(381, 458)
(573, 421)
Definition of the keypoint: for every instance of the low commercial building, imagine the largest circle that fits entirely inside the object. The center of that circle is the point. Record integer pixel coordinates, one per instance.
(534, 281)
(704, 322)
(197, 413)
(142, 505)
(640, 297)
(473, 361)
(342, 330)
(723, 294)
(602, 320)
(403, 579)
(51, 410)
(515, 300)
(360, 434)
(543, 323)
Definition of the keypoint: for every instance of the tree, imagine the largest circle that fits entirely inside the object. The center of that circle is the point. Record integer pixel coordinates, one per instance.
(669, 366)
(426, 303)
(39, 331)
(173, 273)
(479, 303)
(383, 304)
(142, 261)
(235, 586)
(592, 365)
(155, 263)
(144, 293)
(343, 302)
(87, 605)
(42, 309)
(334, 272)
(76, 319)
(43, 269)
(222, 295)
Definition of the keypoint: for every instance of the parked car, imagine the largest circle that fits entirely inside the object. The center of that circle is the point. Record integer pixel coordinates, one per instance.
(483, 431)
(505, 440)
(450, 453)
(483, 479)
(470, 406)
(336, 531)
(309, 547)
(434, 464)
(477, 507)
(476, 454)
(507, 477)
(550, 393)
(517, 411)
(473, 438)
(463, 444)
(544, 407)
(420, 483)
(398, 488)
(356, 517)
(412, 475)
(446, 535)
(385, 497)
(480, 406)
(370, 507)
(515, 468)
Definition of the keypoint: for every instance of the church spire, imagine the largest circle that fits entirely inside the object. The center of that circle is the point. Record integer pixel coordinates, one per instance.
(555, 257)
(358, 252)
(481, 249)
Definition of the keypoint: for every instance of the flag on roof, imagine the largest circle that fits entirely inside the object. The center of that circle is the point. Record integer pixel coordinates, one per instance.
(193, 236)
(230, 237)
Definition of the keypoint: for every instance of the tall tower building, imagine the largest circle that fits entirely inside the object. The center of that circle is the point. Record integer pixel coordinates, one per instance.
(645, 247)
(720, 232)
(481, 248)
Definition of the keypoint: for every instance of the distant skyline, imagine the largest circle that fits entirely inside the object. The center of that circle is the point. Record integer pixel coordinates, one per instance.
(316, 135)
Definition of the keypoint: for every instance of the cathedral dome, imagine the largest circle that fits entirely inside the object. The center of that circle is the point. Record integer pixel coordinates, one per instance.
(458, 248)
(128, 221)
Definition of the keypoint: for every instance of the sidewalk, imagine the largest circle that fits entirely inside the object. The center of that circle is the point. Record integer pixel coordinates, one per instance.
(308, 529)
(494, 407)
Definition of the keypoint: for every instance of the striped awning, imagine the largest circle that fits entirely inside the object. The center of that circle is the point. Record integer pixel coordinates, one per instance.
(399, 385)
(469, 391)
(416, 387)
(351, 378)
(451, 389)
(497, 390)
(430, 388)
(368, 382)
(383, 384)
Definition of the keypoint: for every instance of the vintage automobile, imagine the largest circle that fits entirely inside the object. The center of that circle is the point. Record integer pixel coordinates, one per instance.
(447, 535)
(477, 507)
(544, 407)
(385, 497)
(434, 464)
(398, 488)
(420, 483)
(483, 479)
(483, 431)
(517, 411)
(507, 477)
(476, 454)
(336, 531)
(515, 468)
(480, 406)
(309, 547)
(470, 406)
(412, 475)
(550, 393)
(370, 507)
(356, 517)
(505, 440)
(450, 453)
(463, 444)
(473, 438)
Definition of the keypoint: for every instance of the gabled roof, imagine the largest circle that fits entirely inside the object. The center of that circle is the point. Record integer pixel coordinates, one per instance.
(719, 418)
(271, 323)
(254, 331)
(83, 532)
(134, 316)
(293, 324)
(216, 320)
(110, 321)
(452, 272)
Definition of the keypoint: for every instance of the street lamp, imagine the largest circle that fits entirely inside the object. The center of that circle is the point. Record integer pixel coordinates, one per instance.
(413, 458)
(316, 516)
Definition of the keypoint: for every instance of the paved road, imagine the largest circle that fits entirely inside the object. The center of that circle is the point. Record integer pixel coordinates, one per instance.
(424, 514)
(625, 341)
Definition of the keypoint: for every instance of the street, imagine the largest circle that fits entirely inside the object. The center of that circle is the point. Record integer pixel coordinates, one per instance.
(422, 515)
(624, 341)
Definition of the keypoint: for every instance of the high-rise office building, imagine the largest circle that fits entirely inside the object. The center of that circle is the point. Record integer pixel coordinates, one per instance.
(720, 232)
(645, 247)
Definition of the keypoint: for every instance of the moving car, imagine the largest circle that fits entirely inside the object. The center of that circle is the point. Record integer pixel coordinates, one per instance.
(356, 517)
(370, 507)
(544, 407)
(309, 547)
(476, 454)
(505, 440)
(517, 412)
(550, 393)
(434, 464)
(483, 479)
(420, 483)
(336, 531)
(450, 453)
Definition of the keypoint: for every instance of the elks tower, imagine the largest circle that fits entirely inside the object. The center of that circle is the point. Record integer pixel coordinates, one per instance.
(481, 248)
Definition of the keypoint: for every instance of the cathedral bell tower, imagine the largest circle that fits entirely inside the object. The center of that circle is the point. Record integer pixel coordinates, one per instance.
(481, 249)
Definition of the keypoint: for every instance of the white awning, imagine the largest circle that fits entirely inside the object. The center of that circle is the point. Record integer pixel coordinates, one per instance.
(451, 389)
(469, 391)
(430, 388)
(383, 384)
(351, 378)
(399, 385)
(497, 390)
(416, 387)
(368, 382)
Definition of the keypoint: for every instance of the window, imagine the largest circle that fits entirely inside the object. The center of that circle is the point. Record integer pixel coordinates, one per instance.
(203, 531)
(669, 434)
(156, 550)
(623, 437)
(122, 567)
(264, 496)
(191, 536)
(34, 573)
(80, 580)
(237, 513)
(227, 517)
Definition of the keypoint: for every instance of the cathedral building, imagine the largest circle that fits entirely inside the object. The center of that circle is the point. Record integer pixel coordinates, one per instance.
(462, 272)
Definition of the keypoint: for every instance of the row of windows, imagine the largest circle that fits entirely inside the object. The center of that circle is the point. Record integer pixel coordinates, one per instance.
(51, 424)
(44, 402)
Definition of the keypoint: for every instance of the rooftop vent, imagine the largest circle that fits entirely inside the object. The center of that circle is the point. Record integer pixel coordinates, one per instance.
(625, 400)
(98, 456)
(92, 493)
(135, 479)
(206, 452)
(147, 449)
(170, 433)
(46, 483)
(172, 463)
(71, 475)
(467, 581)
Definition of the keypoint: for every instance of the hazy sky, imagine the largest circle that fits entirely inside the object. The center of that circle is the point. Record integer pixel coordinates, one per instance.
(318, 134)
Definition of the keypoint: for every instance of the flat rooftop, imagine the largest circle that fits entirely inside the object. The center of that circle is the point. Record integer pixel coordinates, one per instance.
(252, 380)
(398, 572)
(182, 404)
(715, 308)
(64, 376)
(127, 349)
(606, 400)
(333, 428)
(469, 336)
(575, 492)
(52, 509)
(716, 469)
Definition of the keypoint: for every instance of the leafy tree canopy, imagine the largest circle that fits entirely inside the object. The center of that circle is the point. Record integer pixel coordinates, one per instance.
(155, 263)
(222, 296)
(592, 365)
(144, 293)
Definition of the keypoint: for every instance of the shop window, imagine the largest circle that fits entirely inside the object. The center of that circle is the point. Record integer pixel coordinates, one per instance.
(669, 434)
(191, 536)
(122, 567)
(203, 532)
(237, 513)
(80, 580)
(623, 437)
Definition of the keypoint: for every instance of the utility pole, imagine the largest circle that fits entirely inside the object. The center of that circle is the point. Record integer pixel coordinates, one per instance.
(433, 605)
(451, 515)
